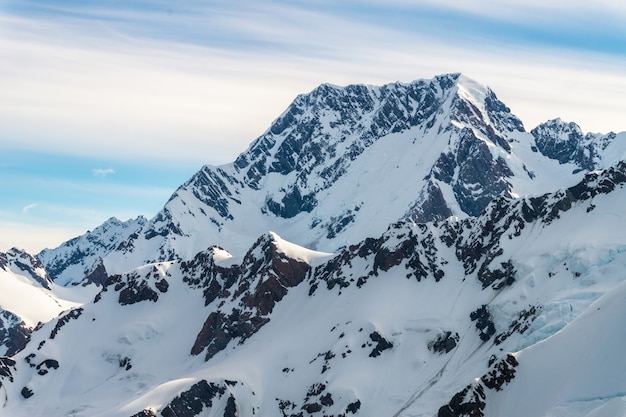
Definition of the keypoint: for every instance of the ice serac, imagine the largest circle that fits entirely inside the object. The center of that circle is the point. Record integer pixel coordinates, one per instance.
(339, 165)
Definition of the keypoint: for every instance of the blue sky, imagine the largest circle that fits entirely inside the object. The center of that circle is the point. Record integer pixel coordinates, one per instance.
(107, 107)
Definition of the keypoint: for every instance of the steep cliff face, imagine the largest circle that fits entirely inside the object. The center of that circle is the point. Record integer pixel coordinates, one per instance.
(341, 164)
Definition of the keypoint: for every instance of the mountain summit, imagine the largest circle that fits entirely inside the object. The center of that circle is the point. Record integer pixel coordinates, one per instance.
(403, 250)
(339, 165)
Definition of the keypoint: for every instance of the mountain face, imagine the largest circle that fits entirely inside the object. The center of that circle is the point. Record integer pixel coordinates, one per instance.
(405, 250)
(340, 165)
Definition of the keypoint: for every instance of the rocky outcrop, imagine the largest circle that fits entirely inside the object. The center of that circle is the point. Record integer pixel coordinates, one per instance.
(444, 343)
(471, 401)
(254, 287)
(14, 334)
(199, 397)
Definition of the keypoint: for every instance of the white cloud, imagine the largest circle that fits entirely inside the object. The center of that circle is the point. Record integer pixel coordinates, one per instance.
(99, 172)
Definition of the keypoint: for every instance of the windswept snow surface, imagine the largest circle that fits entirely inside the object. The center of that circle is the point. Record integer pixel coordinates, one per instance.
(33, 303)
(577, 372)
(27, 292)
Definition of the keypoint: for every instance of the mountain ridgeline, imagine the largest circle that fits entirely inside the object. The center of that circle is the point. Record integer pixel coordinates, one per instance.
(379, 251)
(340, 165)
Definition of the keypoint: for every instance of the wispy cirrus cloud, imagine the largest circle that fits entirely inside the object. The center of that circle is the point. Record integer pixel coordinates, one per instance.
(28, 207)
(131, 80)
(194, 82)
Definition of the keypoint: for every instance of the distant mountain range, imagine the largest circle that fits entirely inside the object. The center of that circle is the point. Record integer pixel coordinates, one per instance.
(403, 250)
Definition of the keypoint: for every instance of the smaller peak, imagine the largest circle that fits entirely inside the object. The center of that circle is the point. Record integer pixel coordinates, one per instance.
(112, 220)
(323, 89)
(559, 125)
(15, 251)
(452, 77)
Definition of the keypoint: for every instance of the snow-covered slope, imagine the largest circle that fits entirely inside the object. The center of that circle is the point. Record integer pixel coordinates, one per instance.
(394, 325)
(27, 298)
(341, 164)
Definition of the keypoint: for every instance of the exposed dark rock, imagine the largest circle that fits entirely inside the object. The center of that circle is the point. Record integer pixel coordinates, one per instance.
(470, 402)
(14, 335)
(46, 365)
(484, 322)
(98, 276)
(315, 390)
(480, 177)
(432, 205)
(312, 407)
(125, 363)
(292, 204)
(192, 402)
(62, 321)
(7, 366)
(501, 373)
(400, 245)
(382, 344)
(497, 278)
(26, 264)
(162, 285)
(444, 343)
(327, 400)
(211, 187)
(231, 407)
(219, 329)
(134, 288)
(354, 407)
(135, 294)
(27, 392)
(86, 251)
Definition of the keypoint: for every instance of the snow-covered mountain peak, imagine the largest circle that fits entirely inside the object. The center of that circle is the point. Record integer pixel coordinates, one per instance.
(338, 165)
